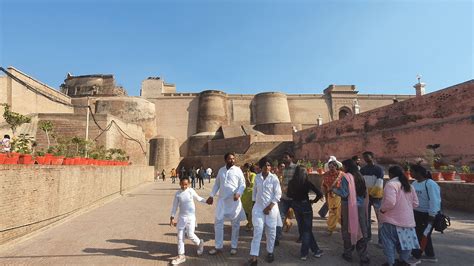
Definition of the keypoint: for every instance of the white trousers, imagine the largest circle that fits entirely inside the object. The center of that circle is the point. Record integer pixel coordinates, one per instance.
(187, 224)
(259, 222)
(219, 233)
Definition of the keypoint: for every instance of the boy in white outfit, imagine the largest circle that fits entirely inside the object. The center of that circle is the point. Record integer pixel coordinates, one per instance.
(184, 199)
(265, 214)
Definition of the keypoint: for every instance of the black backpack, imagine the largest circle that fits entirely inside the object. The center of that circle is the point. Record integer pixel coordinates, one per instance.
(441, 221)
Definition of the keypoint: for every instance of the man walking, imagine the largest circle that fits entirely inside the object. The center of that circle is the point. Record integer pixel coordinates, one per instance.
(173, 175)
(285, 201)
(182, 173)
(201, 175)
(192, 175)
(209, 173)
(230, 184)
(373, 175)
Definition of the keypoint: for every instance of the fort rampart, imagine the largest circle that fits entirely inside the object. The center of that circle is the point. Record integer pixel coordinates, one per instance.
(400, 131)
(36, 196)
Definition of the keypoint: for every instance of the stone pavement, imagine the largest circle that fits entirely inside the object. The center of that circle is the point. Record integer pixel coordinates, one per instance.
(134, 230)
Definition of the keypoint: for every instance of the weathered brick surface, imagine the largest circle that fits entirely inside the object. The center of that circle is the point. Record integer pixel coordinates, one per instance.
(401, 130)
(34, 196)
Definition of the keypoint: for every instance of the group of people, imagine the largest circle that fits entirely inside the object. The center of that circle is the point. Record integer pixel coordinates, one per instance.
(193, 173)
(267, 197)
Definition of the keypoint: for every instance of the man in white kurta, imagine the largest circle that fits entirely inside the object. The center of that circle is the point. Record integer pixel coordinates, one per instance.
(265, 214)
(230, 184)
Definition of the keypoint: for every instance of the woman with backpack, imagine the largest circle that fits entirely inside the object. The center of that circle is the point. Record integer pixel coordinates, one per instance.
(396, 214)
(429, 198)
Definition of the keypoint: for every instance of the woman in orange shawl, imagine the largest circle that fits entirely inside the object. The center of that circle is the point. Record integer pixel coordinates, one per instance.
(333, 200)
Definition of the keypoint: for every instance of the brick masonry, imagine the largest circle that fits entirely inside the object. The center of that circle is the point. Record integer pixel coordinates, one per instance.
(401, 130)
(35, 196)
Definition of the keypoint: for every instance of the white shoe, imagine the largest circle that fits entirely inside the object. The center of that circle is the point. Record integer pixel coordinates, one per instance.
(413, 261)
(178, 260)
(200, 248)
(214, 251)
(233, 251)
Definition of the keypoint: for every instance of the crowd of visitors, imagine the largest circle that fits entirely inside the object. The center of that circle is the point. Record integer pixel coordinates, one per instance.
(269, 195)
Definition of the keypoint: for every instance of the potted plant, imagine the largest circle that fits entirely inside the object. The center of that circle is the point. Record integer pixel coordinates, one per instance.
(320, 167)
(47, 127)
(448, 172)
(434, 160)
(466, 174)
(119, 156)
(57, 152)
(3, 157)
(406, 168)
(14, 119)
(98, 153)
(23, 145)
(39, 157)
(309, 167)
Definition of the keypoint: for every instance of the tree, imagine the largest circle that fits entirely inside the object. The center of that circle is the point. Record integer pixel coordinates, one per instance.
(47, 127)
(14, 119)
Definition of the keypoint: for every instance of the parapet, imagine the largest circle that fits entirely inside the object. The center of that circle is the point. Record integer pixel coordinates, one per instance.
(91, 85)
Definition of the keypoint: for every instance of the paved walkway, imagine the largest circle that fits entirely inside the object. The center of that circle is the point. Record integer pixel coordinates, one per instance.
(134, 230)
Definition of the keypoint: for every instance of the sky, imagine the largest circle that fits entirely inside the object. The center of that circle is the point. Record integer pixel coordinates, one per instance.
(244, 47)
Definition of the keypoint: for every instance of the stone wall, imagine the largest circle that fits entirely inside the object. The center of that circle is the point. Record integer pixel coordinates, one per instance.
(400, 131)
(3, 89)
(90, 85)
(177, 116)
(164, 153)
(25, 101)
(306, 109)
(32, 197)
(454, 195)
(177, 113)
(132, 110)
(72, 125)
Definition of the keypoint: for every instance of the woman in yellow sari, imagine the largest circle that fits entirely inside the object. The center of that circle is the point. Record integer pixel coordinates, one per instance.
(333, 200)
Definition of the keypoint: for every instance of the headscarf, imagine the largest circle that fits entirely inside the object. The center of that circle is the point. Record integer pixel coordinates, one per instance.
(332, 159)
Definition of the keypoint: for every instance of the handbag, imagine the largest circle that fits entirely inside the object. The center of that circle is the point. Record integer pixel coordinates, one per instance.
(441, 220)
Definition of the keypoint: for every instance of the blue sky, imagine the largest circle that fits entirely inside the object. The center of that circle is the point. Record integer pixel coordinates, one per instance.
(243, 46)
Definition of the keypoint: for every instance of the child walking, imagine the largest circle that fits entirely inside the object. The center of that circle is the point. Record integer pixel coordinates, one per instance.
(265, 214)
(184, 199)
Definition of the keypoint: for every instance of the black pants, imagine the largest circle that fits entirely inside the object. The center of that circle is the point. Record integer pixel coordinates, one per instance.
(323, 211)
(201, 182)
(421, 220)
(304, 217)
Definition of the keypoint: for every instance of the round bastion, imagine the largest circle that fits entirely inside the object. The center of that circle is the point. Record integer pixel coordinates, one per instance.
(212, 110)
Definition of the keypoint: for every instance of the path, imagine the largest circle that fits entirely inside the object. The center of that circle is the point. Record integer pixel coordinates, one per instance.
(134, 230)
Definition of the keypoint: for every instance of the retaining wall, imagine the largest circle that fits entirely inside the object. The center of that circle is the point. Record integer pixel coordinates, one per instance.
(401, 130)
(32, 197)
(455, 195)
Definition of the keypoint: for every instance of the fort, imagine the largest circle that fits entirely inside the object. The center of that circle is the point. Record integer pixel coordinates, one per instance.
(175, 127)
(164, 129)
